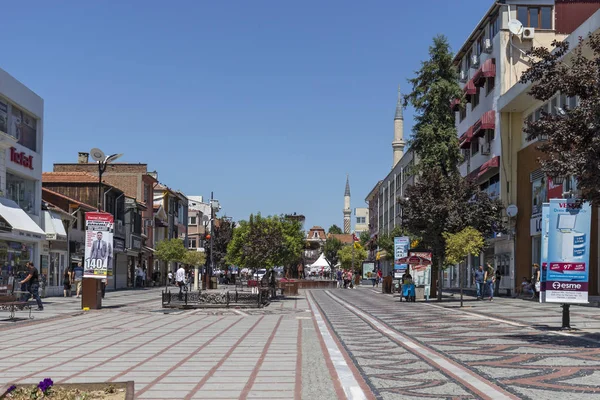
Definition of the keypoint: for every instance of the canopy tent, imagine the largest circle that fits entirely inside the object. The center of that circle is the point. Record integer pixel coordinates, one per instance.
(320, 263)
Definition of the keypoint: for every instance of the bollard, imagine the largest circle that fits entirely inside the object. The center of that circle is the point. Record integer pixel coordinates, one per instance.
(566, 316)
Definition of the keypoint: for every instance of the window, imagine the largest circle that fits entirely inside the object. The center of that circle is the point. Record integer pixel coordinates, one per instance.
(553, 105)
(490, 135)
(315, 235)
(490, 85)
(571, 102)
(480, 43)
(468, 60)
(361, 220)
(192, 221)
(146, 193)
(535, 17)
(494, 26)
(192, 243)
(474, 146)
(22, 192)
(475, 99)
(462, 113)
(22, 126)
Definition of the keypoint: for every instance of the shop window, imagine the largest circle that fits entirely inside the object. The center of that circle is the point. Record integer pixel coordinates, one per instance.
(23, 127)
(22, 192)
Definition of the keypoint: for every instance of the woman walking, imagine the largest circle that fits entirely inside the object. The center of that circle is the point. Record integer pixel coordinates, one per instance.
(67, 283)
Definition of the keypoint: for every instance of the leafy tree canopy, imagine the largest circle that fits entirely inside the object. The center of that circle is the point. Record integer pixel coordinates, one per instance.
(461, 244)
(345, 257)
(171, 250)
(334, 229)
(194, 258)
(222, 235)
(330, 251)
(571, 139)
(364, 237)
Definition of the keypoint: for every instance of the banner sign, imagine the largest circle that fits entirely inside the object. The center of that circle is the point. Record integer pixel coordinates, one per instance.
(99, 228)
(368, 270)
(401, 245)
(568, 261)
(544, 249)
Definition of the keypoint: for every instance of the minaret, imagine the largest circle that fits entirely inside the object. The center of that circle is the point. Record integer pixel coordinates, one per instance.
(398, 143)
(347, 210)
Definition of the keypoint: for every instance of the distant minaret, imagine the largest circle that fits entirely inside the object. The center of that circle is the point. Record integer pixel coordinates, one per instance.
(398, 143)
(347, 210)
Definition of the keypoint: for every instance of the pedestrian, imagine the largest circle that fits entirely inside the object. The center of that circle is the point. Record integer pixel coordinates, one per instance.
(169, 278)
(33, 284)
(180, 280)
(78, 278)
(104, 282)
(379, 277)
(535, 281)
(479, 278)
(67, 283)
(498, 279)
(489, 280)
(139, 276)
(339, 278)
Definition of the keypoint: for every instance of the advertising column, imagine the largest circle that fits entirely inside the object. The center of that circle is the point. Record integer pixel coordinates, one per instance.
(544, 250)
(401, 245)
(98, 245)
(567, 275)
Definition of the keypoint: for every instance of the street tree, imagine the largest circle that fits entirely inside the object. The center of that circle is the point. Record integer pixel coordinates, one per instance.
(346, 256)
(171, 250)
(364, 238)
(441, 200)
(385, 241)
(330, 251)
(194, 258)
(334, 229)
(568, 137)
(293, 244)
(222, 235)
(459, 245)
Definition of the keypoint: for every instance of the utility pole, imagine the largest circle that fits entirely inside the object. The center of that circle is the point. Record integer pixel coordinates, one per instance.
(212, 230)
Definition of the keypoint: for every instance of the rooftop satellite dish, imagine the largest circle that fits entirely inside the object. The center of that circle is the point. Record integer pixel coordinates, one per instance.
(515, 26)
(97, 154)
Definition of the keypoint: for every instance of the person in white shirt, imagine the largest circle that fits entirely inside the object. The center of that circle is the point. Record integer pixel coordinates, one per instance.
(180, 279)
(169, 278)
(139, 276)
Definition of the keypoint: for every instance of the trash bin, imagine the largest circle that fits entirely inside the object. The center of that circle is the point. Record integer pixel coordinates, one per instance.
(213, 282)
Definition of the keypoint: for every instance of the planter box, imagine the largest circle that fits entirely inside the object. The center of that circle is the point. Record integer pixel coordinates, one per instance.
(123, 390)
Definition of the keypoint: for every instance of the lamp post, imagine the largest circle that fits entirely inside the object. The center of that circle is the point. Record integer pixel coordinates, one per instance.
(103, 160)
(214, 208)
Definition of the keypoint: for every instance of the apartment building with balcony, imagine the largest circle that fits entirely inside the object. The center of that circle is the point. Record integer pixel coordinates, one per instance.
(490, 62)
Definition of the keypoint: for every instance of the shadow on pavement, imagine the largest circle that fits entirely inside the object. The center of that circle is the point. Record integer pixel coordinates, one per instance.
(577, 340)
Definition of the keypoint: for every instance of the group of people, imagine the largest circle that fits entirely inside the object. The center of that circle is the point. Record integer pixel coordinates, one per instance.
(344, 279)
(486, 280)
(530, 286)
(74, 276)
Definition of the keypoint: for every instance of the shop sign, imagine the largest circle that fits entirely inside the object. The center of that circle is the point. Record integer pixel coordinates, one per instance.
(99, 228)
(535, 226)
(568, 263)
(421, 272)
(119, 245)
(136, 242)
(21, 158)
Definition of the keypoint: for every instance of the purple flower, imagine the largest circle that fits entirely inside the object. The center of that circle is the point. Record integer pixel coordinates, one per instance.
(45, 385)
(10, 389)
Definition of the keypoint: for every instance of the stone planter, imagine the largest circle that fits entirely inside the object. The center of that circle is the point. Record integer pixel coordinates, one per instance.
(92, 391)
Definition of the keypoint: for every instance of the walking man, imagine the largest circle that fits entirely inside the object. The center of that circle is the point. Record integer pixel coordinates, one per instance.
(489, 280)
(498, 278)
(180, 278)
(479, 280)
(33, 284)
(77, 277)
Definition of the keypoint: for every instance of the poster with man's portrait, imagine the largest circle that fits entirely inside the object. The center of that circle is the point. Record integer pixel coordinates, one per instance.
(99, 228)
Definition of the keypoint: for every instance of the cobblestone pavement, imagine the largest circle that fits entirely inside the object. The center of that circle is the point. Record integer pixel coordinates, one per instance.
(277, 352)
(505, 349)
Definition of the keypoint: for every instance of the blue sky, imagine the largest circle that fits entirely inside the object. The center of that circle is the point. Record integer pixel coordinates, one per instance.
(267, 103)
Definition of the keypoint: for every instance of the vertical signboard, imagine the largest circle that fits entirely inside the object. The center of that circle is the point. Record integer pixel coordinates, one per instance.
(368, 270)
(401, 245)
(544, 250)
(99, 229)
(567, 273)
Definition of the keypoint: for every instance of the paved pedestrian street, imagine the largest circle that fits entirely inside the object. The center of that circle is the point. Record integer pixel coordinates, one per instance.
(322, 344)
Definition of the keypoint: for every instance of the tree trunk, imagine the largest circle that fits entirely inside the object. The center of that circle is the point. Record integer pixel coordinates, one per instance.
(439, 280)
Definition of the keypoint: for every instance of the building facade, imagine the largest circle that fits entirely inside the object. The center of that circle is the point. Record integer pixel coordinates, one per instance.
(21, 142)
(490, 62)
(198, 222)
(361, 221)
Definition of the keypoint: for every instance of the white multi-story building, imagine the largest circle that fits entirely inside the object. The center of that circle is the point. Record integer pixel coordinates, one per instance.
(21, 143)
(361, 222)
(490, 62)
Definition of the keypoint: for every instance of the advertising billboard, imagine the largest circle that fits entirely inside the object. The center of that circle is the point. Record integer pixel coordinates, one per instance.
(401, 245)
(544, 250)
(368, 270)
(99, 228)
(567, 273)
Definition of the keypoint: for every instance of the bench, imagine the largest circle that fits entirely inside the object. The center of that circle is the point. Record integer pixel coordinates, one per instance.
(9, 301)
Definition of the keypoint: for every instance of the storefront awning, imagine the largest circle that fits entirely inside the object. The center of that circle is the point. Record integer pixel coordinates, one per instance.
(487, 121)
(55, 230)
(17, 220)
(465, 139)
(470, 89)
(147, 249)
(487, 70)
(488, 165)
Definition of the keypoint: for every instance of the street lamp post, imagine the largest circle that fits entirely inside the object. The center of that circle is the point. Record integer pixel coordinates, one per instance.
(214, 207)
(103, 160)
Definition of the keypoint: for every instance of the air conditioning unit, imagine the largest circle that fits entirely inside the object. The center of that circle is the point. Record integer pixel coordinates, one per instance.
(474, 61)
(487, 45)
(463, 76)
(486, 148)
(528, 33)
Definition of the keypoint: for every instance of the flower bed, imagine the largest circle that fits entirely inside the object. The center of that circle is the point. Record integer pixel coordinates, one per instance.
(46, 389)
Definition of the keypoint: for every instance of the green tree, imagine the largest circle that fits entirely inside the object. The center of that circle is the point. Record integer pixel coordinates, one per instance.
(171, 250)
(569, 137)
(293, 244)
(194, 258)
(334, 229)
(330, 251)
(345, 257)
(441, 200)
(461, 244)
(365, 238)
(222, 235)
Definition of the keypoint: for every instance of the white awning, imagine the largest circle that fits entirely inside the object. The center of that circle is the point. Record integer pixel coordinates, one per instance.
(55, 230)
(320, 263)
(18, 220)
